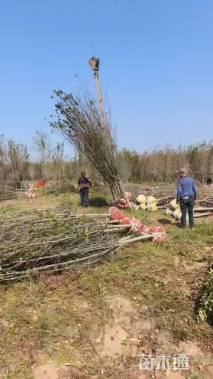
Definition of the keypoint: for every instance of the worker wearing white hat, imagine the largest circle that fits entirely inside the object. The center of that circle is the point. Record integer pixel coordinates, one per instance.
(186, 196)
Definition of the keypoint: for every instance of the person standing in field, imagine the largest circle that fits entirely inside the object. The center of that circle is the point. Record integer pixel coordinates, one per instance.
(84, 185)
(186, 196)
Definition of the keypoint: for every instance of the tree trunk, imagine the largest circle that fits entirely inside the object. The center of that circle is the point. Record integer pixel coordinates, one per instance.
(117, 189)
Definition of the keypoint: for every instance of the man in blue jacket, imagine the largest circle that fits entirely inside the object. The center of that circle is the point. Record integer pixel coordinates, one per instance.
(186, 196)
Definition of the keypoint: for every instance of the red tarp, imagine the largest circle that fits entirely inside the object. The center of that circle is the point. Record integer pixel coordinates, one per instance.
(40, 184)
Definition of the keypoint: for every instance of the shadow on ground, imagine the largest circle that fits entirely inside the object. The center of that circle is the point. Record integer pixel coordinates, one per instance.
(98, 202)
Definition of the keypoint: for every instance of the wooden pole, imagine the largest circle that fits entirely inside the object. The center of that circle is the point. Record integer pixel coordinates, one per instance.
(114, 181)
(94, 64)
(100, 98)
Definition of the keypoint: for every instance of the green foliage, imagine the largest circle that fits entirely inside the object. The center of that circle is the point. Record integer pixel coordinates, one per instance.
(205, 312)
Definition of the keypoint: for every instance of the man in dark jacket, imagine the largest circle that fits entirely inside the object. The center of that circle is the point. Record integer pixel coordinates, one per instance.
(84, 185)
(186, 196)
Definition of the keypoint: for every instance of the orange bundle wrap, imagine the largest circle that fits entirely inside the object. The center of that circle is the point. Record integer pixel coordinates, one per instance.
(30, 193)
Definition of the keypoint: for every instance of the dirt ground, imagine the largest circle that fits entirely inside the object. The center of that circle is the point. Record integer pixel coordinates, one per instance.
(112, 320)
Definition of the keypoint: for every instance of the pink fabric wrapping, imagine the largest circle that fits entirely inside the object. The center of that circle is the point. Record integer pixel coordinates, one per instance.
(30, 193)
(125, 203)
(137, 226)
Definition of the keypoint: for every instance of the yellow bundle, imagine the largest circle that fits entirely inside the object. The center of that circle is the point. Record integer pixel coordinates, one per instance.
(143, 206)
(169, 212)
(141, 200)
(177, 213)
(173, 204)
(151, 203)
(174, 209)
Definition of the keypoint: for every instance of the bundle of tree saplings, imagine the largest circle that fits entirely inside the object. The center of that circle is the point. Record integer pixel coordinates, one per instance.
(47, 241)
(79, 120)
(50, 241)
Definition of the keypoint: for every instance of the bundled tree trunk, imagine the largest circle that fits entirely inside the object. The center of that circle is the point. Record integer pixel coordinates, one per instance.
(79, 120)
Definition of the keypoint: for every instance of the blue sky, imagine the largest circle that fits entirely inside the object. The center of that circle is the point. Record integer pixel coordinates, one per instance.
(156, 65)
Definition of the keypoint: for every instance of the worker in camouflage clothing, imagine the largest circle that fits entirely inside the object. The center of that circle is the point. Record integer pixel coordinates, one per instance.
(84, 185)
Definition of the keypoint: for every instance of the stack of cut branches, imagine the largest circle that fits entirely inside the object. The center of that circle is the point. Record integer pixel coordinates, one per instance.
(50, 242)
(206, 197)
(55, 241)
(79, 120)
(7, 194)
(204, 204)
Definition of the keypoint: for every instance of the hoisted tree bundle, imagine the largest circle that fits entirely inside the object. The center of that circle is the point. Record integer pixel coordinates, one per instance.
(80, 121)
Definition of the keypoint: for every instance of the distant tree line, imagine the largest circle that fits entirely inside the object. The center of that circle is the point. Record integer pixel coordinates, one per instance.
(51, 165)
(162, 165)
(14, 162)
